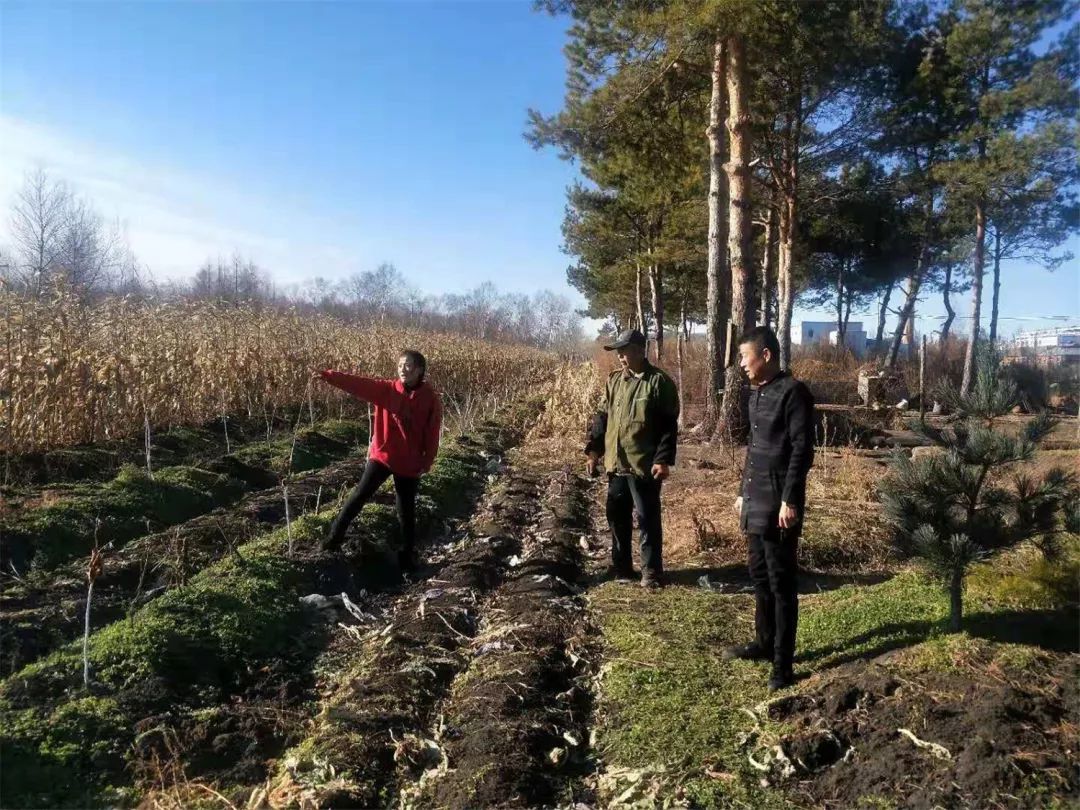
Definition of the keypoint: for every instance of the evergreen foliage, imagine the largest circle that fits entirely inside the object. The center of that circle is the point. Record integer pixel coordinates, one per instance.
(957, 506)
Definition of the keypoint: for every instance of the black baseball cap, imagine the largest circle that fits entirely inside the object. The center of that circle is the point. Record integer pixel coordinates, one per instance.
(631, 337)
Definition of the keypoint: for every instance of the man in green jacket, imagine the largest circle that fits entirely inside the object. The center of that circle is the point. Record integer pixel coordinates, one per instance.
(635, 432)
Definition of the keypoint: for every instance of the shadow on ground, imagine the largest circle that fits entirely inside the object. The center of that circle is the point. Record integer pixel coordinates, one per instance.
(1051, 630)
(735, 575)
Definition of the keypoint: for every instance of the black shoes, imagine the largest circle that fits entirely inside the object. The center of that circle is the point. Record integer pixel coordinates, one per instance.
(781, 678)
(407, 561)
(747, 652)
(620, 574)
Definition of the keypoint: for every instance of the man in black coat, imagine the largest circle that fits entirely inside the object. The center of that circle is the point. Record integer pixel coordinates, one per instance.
(773, 499)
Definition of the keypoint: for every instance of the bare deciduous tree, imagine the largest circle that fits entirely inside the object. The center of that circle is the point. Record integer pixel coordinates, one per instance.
(38, 217)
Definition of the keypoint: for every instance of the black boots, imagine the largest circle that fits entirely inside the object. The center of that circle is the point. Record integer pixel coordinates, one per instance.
(781, 678)
(782, 675)
(746, 652)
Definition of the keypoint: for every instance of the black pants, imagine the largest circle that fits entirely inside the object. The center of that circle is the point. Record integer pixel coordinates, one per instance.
(629, 497)
(375, 474)
(774, 572)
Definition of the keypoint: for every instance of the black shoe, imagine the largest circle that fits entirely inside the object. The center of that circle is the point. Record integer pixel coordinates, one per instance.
(407, 562)
(620, 574)
(781, 678)
(746, 652)
(651, 580)
(330, 544)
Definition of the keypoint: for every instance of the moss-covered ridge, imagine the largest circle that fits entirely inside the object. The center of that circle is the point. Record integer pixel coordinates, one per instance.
(51, 535)
(194, 645)
(176, 446)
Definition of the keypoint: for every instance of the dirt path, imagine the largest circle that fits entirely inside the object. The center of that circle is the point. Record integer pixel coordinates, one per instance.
(381, 692)
(487, 661)
(514, 729)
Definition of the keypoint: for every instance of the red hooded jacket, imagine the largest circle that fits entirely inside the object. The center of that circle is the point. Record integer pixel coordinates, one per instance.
(405, 424)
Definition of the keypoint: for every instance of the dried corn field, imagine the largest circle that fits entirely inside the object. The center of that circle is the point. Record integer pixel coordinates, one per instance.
(72, 372)
(571, 400)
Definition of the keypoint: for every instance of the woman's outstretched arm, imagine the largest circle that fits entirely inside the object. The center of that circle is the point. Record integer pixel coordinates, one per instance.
(378, 392)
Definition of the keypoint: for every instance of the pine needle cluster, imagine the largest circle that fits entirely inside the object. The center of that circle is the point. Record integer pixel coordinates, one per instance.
(953, 508)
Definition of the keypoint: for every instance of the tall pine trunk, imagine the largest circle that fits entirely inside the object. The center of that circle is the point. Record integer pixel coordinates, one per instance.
(848, 298)
(784, 285)
(768, 268)
(907, 311)
(909, 329)
(977, 272)
(883, 310)
(789, 218)
(840, 303)
(639, 302)
(680, 353)
(740, 222)
(946, 292)
(656, 289)
(997, 287)
(716, 312)
(914, 283)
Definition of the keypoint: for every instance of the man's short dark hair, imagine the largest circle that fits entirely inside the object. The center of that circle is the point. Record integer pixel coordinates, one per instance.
(763, 338)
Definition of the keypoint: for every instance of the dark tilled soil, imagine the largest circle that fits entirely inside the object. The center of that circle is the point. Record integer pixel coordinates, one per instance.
(382, 695)
(513, 731)
(236, 744)
(1009, 743)
(40, 614)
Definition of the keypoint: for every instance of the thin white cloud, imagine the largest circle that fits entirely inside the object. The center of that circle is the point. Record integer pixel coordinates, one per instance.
(174, 220)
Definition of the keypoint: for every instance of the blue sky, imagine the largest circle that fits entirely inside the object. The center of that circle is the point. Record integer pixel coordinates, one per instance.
(357, 132)
(321, 138)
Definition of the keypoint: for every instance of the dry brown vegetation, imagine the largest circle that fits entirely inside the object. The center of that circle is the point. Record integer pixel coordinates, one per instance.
(73, 372)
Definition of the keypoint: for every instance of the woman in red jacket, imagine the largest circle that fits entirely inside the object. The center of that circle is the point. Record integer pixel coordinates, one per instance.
(404, 441)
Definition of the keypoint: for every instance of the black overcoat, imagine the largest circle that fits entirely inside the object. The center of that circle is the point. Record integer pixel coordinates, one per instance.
(779, 452)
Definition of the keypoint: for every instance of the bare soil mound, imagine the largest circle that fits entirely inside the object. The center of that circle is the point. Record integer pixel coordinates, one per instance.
(935, 739)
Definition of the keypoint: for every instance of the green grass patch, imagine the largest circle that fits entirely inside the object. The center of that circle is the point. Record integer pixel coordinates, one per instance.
(191, 646)
(314, 447)
(53, 534)
(859, 621)
(668, 705)
(49, 536)
(669, 711)
(959, 652)
(1023, 578)
(349, 432)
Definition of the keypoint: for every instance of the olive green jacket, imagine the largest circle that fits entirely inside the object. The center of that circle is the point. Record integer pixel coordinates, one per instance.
(637, 423)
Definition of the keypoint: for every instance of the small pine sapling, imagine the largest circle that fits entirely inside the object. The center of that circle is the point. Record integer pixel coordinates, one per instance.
(954, 508)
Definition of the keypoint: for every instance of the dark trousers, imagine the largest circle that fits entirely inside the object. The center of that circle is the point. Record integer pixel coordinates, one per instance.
(629, 497)
(774, 572)
(375, 474)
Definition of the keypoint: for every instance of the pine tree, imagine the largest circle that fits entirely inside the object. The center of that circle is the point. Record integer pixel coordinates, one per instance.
(952, 508)
(1017, 106)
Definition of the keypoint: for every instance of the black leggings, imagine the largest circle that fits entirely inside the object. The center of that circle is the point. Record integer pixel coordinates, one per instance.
(375, 474)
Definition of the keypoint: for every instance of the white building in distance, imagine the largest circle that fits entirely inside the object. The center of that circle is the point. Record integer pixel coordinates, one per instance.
(825, 332)
(1048, 347)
